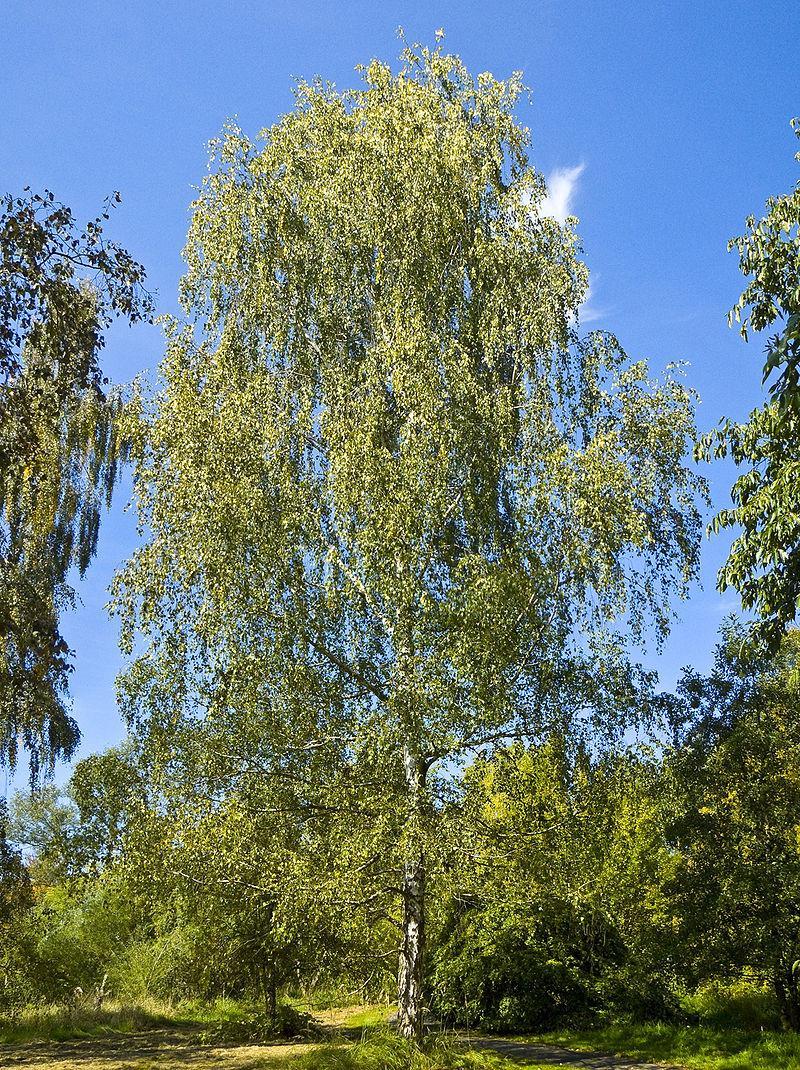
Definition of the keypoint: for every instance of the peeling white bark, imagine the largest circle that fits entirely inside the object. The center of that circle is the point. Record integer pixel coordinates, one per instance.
(412, 952)
(410, 973)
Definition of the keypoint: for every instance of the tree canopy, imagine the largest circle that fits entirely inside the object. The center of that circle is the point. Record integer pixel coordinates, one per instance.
(732, 781)
(764, 561)
(59, 449)
(393, 502)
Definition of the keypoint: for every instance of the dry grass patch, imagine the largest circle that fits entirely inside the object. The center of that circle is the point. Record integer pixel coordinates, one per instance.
(152, 1050)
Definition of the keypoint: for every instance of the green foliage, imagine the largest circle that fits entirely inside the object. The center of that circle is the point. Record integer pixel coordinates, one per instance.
(570, 925)
(47, 301)
(16, 901)
(167, 965)
(394, 503)
(80, 831)
(79, 935)
(122, 908)
(235, 875)
(59, 450)
(734, 826)
(741, 1005)
(764, 561)
(510, 973)
(506, 973)
(109, 793)
(578, 882)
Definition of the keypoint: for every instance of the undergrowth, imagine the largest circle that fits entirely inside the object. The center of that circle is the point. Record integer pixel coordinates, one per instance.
(54, 1022)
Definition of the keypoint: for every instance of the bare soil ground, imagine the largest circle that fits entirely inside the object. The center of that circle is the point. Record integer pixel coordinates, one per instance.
(151, 1050)
(180, 1049)
(549, 1054)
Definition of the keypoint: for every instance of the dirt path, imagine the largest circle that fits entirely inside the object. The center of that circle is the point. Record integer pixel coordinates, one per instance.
(178, 1049)
(151, 1050)
(548, 1054)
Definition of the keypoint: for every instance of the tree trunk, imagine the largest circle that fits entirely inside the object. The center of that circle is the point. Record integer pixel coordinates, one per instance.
(785, 983)
(412, 952)
(269, 991)
(410, 974)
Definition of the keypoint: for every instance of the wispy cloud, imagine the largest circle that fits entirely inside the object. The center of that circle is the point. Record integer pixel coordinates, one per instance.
(561, 187)
(728, 605)
(589, 312)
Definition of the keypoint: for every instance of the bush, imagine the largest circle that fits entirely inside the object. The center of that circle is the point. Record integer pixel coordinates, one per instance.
(258, 1027)
(503, 974)
(508, 973)
(632, 993)
(162, 967)
(741, 1004)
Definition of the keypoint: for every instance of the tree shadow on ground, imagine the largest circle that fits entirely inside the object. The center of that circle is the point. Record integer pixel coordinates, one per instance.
(550, 1055)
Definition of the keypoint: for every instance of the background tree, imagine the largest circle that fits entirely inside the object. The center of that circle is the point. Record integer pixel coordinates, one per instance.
(110, 792)
(16, 901)
(80, 830)
(735, 825)
(59, 449)
(230, 852)
(43, 823)
(555, 909)
(393, 502)
(764, 561)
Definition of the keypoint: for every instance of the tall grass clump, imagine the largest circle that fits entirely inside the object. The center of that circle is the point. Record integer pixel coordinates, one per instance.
(737, 1005)
(384, 1050)
(59, 1021)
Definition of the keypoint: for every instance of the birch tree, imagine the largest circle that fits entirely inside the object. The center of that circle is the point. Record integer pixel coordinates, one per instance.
(60, 288)
(393, 504)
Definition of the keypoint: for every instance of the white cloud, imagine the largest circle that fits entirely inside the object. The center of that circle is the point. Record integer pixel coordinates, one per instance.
(589, 312)
(728, 605)
(561, 186)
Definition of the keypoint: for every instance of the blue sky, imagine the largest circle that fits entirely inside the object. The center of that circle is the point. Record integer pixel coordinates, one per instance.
(665, 124)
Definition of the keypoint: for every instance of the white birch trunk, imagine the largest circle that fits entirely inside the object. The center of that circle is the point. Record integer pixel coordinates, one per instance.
(412, 952)
(410, 974)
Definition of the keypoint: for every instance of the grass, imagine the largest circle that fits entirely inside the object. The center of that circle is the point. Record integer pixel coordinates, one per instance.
(370, 1016)
(57, 1022)
(378, 1050)
(383, 1050)
(696, 1047)
(152, 1034)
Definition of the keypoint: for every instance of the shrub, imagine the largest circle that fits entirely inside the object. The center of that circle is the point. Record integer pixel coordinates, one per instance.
(742, 1004)
(502, 971)
(257, 1026)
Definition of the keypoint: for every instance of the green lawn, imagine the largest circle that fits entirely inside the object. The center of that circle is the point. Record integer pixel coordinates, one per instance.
(204, 1034)
(695, 1047)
